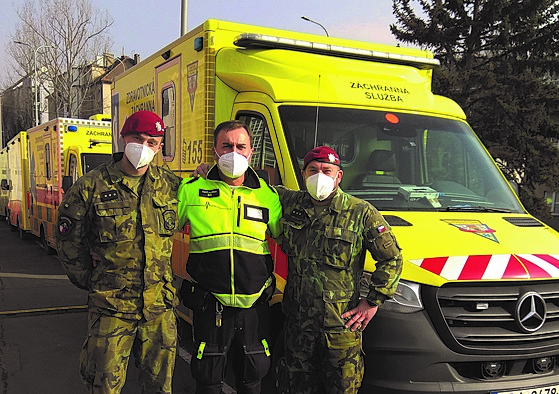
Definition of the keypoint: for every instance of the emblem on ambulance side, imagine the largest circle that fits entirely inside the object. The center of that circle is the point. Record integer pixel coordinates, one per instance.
(192, 79)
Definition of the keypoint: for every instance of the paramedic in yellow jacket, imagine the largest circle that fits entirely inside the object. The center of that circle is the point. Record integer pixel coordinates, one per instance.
(229, 214)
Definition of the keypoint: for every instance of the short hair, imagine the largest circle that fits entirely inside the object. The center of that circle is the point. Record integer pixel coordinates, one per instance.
(232, 125)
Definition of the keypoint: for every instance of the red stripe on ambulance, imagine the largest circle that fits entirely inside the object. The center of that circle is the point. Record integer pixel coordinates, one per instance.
(492, 267)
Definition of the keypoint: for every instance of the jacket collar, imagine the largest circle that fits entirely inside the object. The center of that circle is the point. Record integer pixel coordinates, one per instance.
(336, 204)
(251, 180)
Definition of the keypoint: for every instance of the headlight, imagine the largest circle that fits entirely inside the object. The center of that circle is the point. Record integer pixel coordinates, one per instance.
(406, 300)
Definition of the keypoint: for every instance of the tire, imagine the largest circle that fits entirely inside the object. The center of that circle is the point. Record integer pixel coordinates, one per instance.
(9, 221)
(23, 234)
(48, 250)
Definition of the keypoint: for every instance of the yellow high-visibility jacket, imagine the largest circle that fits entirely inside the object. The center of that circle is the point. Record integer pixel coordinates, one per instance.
(229, 254)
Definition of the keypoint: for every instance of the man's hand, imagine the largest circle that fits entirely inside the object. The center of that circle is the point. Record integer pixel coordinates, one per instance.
(201, 170)
(360, 316)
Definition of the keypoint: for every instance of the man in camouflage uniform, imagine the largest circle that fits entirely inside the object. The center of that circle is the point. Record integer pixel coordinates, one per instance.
(326, 234)
(114, 239)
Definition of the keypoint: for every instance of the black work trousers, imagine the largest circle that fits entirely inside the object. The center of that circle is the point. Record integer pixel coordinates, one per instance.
(244, 335)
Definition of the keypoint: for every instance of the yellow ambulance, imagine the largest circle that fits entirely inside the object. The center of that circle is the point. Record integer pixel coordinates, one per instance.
(16, 185)
(60, 151)
(4, 183)
(477, 309)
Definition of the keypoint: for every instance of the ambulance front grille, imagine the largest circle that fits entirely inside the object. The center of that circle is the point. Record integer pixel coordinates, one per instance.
(498, 315)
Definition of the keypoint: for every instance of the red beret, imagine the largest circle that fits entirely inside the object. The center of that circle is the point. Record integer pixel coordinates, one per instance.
(144, 122)
(323, 154)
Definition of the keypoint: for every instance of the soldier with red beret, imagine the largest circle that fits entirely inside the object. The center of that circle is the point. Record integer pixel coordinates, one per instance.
(114, 239)
(326, 235)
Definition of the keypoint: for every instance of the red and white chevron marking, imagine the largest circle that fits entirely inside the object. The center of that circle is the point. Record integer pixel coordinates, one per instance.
(493, 267)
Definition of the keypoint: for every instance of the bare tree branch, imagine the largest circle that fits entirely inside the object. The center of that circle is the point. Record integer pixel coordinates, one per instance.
(78, 34)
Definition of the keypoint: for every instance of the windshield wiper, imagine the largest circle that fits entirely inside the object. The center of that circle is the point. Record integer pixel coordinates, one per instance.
(469, 208)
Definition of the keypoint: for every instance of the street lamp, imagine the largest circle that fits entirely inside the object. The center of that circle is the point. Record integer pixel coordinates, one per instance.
(316, 23)
(35, 77)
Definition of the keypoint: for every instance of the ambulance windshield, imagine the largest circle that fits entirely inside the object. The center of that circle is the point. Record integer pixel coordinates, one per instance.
(93, 160)
(400, 161)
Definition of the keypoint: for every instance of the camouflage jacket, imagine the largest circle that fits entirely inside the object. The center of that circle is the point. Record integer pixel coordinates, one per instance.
(326, 255)
(132, 235)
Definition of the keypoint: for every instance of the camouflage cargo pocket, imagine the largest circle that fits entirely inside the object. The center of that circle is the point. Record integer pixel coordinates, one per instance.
(295, 236)
(338, 246)
(336, 303)
(115, 222)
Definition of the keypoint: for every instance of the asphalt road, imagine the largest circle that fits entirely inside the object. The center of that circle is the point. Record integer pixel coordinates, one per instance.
(43, 325)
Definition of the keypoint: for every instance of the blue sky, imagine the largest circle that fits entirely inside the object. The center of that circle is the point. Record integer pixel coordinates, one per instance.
(144, 26)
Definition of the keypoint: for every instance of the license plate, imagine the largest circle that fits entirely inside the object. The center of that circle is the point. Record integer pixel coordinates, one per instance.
(539, 390)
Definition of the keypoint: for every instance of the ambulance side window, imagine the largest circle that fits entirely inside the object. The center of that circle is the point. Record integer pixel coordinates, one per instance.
(47, 161)
(263, 157)
(168, 114)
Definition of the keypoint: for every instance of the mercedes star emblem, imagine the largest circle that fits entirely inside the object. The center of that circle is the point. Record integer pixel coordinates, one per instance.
(530, 312)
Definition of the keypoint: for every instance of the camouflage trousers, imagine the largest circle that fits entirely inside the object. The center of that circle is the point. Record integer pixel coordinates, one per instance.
(323, 362)
(110, 340)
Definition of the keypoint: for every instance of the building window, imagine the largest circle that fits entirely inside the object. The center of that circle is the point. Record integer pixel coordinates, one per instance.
(552, 200)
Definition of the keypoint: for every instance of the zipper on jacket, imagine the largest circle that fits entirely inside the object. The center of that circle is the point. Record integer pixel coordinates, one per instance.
(239, 211)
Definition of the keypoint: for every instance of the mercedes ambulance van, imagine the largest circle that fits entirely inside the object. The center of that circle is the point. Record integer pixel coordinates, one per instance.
(477, 308)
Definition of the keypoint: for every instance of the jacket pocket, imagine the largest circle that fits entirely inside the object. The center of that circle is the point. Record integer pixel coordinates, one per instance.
(193, 296)
(294, 235)
(336, 302)
(339, 245)
(111, 291)
(115, 221)
(208, 364)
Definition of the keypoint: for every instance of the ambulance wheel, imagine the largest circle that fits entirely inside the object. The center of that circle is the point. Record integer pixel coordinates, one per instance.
(48, 250)
(12, 227)
(23, 234)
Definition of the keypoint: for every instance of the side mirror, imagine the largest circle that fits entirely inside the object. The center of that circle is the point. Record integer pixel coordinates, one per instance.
(4, 185)
(67, 182)
(514, 186)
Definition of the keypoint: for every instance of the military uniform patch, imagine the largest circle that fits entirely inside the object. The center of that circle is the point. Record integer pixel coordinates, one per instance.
(65, 225)
(169, 220)
(109, 195)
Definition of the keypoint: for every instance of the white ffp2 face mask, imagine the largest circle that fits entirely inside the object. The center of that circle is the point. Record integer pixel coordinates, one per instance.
(139, 155)
(320, 186)
(232, 164)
